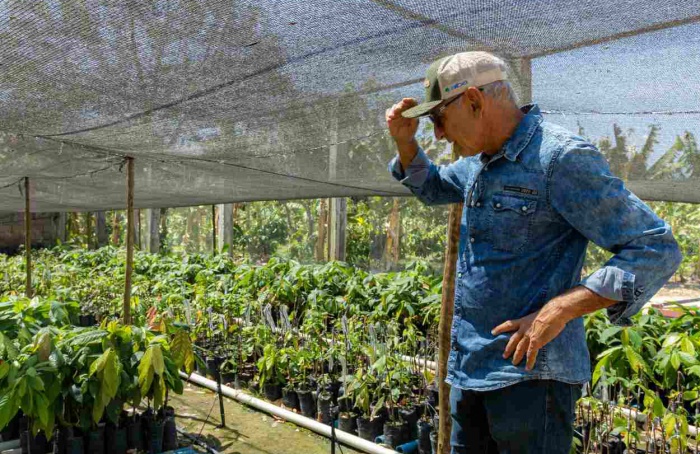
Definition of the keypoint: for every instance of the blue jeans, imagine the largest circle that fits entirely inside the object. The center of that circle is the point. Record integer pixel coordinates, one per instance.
(530, 417)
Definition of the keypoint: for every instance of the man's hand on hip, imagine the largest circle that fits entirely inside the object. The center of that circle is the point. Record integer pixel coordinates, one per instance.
(532, 332)
(536, 330)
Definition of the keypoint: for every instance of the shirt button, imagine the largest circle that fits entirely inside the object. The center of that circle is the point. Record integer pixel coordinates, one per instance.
(524, 208)
(478, 204)
(498, 205)
(471, 240)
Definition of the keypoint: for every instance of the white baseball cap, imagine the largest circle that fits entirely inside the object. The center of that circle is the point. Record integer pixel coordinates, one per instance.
(453, 75)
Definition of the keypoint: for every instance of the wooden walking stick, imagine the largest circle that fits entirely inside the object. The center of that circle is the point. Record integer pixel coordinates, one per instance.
(446, 312)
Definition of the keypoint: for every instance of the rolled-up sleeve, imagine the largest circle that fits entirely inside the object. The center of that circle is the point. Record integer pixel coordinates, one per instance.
(598, 205)
(432, 184)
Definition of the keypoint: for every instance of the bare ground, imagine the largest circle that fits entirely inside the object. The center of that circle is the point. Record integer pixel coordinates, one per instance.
(247, 431)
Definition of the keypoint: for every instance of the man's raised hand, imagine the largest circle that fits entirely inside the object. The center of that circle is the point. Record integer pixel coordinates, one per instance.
(402, 129)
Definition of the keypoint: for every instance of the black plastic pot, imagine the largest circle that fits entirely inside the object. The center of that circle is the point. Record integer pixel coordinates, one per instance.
(244, 378)
(368, 429)
(272, 391)
(11, 430)
(60, 439)
(434, 441)
(228, 377)
(87, 320)
(115, 439)
(169, 434)
(333, 388)
(95, 441)
(424, 429)
(134, 434)
(212, 367)
(154, 439)
(290, 399)
(410, 415)
(306, 403)
(347, 422)
(396, 433)
(36, 444)
(24, 441)
(75, 445)
(433, 395)
(325, 402)
(344, 405)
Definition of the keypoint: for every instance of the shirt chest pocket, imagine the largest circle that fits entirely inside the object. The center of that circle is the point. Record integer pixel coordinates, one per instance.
(510, 222)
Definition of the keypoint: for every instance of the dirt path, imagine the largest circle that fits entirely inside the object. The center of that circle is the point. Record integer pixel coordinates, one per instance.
(687, 294)
(247, 431)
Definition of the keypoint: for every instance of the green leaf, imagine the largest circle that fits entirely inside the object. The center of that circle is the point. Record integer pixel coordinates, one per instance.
(675, 360)
(608, 333)
(4, 369)
(110, 377)
(659, 408)
(687, 346)
(8, 408)
(100, 362)
(690, 395)
(146, 372)
(158, 363)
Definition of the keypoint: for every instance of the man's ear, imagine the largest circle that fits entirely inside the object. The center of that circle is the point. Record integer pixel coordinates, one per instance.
(476, 100)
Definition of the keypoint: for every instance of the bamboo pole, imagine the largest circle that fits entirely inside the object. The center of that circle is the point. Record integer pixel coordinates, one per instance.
(129, 238)
(446, 312)
(28, 238)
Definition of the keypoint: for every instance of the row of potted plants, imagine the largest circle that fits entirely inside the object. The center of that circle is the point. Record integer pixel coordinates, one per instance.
(73, 385)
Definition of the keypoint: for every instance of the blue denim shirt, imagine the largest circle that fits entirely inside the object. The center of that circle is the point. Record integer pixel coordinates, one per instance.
(529, 212)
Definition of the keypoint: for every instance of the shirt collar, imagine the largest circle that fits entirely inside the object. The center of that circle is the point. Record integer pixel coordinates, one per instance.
(522, 135)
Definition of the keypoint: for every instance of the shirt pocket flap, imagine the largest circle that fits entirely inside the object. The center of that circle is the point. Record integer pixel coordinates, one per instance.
(519, 205)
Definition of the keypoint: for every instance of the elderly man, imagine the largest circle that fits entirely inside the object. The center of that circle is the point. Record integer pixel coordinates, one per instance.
(534, 194)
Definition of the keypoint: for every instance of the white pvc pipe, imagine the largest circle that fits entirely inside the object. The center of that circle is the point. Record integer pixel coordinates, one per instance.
(301, 421)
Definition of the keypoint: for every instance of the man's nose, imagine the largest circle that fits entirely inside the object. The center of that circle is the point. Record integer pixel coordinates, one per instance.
(439, 132)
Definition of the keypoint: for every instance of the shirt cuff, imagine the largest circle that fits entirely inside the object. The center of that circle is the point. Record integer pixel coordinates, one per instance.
(416, 173)
(617, 285)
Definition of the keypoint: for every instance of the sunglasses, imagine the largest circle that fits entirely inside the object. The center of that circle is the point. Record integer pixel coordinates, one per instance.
(436, 116)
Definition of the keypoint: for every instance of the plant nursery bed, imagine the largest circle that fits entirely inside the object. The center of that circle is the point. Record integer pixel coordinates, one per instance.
(247, 431)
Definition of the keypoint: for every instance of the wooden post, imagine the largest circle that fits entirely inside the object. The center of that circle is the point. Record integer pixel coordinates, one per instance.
(339, 220)
(320, 249)
(61, 227)
(137, 228)
(101, 229)
(28, 238)
(446, 312)
(129, 238)
(225, 227)
(213, 229)
(338, 206)
(153, 230)
(520, 76)
(88, 230)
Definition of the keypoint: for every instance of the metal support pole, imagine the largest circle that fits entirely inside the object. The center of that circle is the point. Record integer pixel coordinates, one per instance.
(218, 391)
(129, 238)
(28, 238)
(446, 312)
